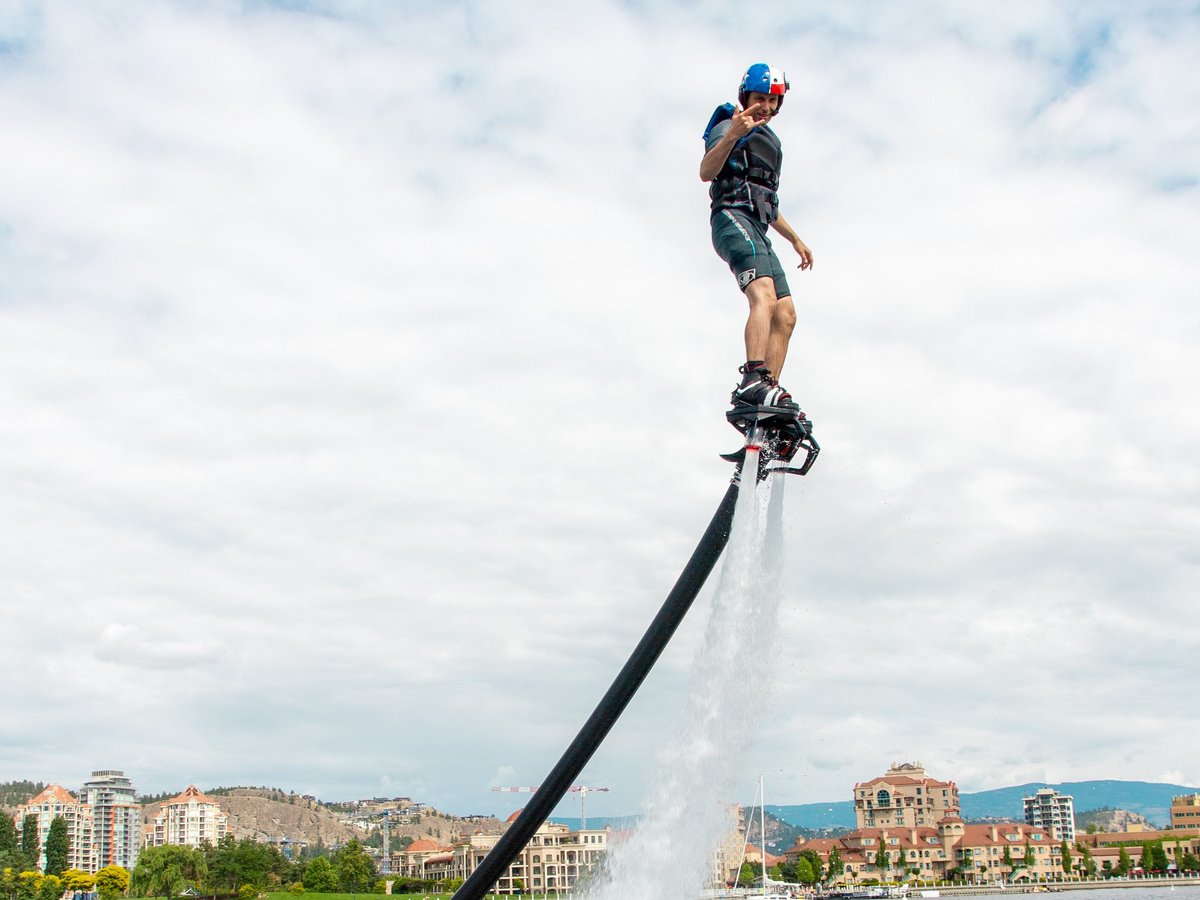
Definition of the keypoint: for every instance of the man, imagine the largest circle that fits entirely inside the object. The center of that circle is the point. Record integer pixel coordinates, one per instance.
(742, 159)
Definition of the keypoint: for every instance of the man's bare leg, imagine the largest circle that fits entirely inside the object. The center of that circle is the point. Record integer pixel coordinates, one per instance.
(760, 294)
(783, 323)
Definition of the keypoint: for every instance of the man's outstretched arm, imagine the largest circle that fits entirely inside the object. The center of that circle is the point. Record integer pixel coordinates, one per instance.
(781, 225)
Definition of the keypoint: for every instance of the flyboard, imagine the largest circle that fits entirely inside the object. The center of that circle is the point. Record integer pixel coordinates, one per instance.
(774, 436)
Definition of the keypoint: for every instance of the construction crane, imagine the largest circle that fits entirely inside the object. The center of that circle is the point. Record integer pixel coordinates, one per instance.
(581, 789)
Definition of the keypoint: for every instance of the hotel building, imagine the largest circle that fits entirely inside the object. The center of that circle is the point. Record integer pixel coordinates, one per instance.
(553, 861)
(191, 818)
(904, 796)
(57, 801)
(914, 820)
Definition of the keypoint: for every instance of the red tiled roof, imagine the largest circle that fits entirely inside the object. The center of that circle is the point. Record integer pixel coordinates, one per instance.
(54, 793)
(424, 845)
(190, 793)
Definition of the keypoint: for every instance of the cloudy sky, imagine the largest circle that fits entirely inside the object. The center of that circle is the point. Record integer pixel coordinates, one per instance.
(362, 370)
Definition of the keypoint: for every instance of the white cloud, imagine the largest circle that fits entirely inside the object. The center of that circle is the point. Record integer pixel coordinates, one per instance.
(362, 373)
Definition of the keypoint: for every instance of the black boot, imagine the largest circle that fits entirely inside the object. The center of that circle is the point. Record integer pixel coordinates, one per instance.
(758, 388)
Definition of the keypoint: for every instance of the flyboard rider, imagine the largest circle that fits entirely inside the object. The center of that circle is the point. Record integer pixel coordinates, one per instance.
(742, 160)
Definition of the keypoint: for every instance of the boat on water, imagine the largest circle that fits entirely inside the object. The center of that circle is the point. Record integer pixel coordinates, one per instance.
(870, 893)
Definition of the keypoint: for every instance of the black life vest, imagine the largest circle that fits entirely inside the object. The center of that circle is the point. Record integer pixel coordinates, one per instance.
(749, 180)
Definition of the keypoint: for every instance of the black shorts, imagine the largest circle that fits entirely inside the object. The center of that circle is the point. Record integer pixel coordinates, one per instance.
(742, 242)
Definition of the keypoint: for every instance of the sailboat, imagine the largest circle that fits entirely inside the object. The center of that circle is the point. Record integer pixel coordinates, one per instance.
(771, 890)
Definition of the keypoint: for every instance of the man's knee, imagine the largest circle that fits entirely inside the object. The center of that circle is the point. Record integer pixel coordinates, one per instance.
(783, 315)
(761, 291)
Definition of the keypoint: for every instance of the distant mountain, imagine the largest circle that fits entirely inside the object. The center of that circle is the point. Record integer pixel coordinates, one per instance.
(1150, 799)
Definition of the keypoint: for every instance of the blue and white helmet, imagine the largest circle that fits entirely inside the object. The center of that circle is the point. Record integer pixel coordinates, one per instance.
(763, 79)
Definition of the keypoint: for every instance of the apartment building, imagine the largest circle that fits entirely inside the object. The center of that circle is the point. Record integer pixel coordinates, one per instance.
(553, 860)
(1053, 811)
(116, 819)
(904, 796)
(57, 801)
(973, 852)
(190, 818)
(1185, 813)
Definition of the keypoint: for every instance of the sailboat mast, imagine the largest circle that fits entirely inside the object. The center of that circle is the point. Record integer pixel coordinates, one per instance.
(762, 828)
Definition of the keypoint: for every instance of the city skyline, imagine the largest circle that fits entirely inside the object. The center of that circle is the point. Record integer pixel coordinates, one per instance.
(568, 808)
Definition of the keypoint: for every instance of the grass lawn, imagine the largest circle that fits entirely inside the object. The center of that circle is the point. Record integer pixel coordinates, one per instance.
(284, 895)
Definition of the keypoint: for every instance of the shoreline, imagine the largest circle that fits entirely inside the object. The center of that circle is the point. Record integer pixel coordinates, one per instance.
(1054, 886)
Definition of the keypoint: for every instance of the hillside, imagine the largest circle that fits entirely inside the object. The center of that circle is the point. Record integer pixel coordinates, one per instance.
(1107, 820)
(266, 814)
(1149, 799)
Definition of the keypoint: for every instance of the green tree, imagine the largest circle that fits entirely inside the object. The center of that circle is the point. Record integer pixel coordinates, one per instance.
(814, 863)
(804, 871)
(1147, 856)
(77, 881)
(748, 874)
(30, 845)
(355, 871)
(1064, 852)
(1123, 863)
(1008, 860)
(166, 871)
(1087, 865)
(1189, 862)
(1160, 857)
(8, 835)
(881, 860)
(222, 865)
(253, 862)
(50, 888)
(111, 882)
(836, 866)
(319, 876)
(27, 885)
(57, 846)
(1030, 857)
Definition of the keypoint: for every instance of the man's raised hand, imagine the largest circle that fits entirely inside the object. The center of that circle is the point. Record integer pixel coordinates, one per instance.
(745, 121)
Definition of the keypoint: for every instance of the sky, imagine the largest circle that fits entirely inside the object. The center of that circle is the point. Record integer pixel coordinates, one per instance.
(363, 368)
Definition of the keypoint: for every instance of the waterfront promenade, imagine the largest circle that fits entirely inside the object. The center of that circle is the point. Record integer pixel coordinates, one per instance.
(1165, 884)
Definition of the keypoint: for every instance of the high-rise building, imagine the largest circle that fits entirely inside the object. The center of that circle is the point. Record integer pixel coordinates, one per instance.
(190, 818)
(1053, 811)
(116, 819)
(53, 802)
(905, 796)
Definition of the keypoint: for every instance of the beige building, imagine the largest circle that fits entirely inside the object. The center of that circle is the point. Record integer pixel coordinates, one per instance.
(191, 818)
(904, 796)
(57, 801)
(553, 860)
(1105, 847)
(975, 852)
(1185, 813)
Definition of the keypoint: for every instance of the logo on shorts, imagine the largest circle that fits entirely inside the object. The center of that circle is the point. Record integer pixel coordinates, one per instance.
(746, 277)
